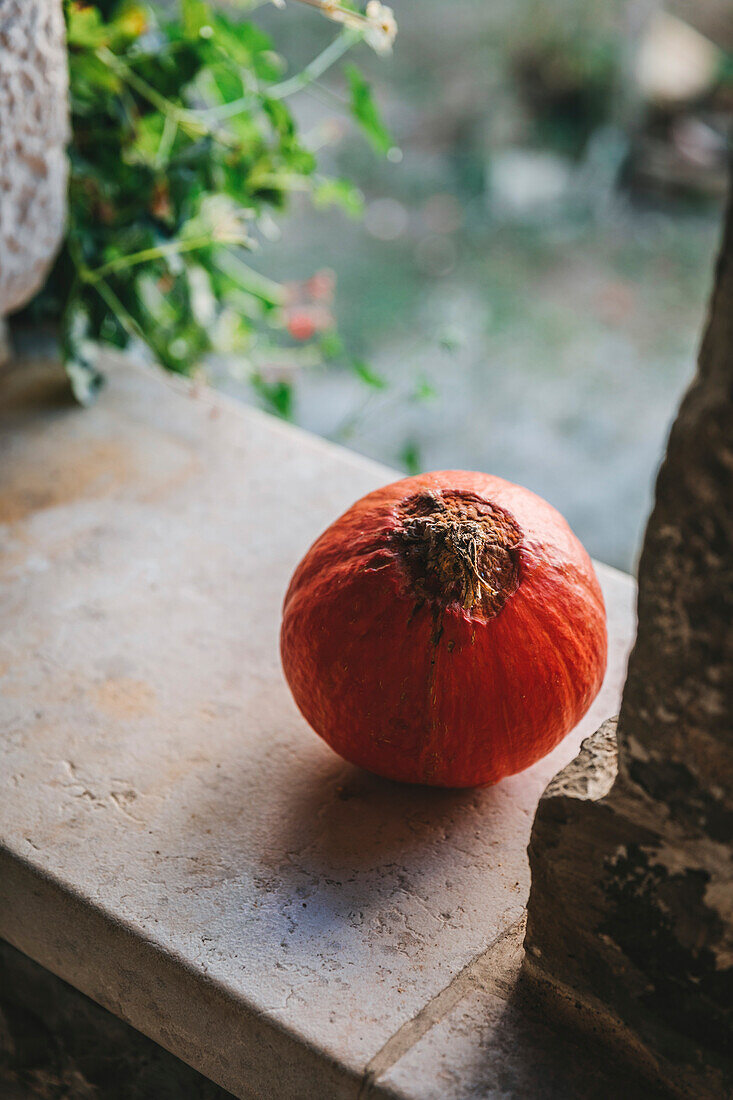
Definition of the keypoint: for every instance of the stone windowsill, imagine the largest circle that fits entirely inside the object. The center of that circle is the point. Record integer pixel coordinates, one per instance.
(175, 842)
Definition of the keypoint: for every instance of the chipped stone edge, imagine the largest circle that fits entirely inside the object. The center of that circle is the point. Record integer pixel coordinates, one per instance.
(591, 774)
(588, 777)
(579, 789)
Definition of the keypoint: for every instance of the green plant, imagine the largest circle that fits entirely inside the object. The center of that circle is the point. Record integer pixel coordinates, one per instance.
(183, 147)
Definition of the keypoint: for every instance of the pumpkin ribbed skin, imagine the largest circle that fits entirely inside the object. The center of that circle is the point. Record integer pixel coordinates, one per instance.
(399, 677)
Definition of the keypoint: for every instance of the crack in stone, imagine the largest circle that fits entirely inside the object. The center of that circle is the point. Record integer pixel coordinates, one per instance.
(481, 973)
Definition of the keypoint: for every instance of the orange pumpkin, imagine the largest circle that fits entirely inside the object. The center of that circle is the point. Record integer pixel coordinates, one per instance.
(448, 629)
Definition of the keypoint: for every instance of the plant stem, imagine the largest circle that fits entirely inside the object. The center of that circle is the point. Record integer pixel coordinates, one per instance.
(379, 26)
(128, 322)
(77, 257)
(333, 10)
(167, 138)
(145, 255)
(318, 66)
(192, 122)
(250, 280)
(228, 110)
(118, 66)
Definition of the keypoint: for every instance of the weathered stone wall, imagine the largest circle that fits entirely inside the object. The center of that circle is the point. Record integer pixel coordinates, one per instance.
(630, 925)
(33, 135)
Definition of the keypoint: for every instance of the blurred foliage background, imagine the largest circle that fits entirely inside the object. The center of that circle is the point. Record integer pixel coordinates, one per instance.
(498, 258)
(528, 283)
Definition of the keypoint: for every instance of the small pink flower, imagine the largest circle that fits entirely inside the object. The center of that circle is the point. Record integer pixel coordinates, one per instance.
(321, 285)
(301, 325)
(303, 322)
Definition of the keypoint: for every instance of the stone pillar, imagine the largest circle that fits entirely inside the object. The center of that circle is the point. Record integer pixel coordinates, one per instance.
(33, 135)
(630, 919)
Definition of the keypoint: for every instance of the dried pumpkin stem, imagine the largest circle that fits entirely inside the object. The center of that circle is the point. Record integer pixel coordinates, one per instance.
(458, 548)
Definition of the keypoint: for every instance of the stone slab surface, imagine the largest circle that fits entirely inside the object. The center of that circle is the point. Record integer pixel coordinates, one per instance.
(175, 841)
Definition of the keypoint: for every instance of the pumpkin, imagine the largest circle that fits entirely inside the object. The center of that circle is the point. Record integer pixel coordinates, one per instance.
(448, 629)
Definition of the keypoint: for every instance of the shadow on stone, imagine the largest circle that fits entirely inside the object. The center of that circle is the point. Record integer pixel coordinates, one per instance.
(570, 1065)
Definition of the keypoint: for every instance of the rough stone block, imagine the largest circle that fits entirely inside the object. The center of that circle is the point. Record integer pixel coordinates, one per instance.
(630, 923)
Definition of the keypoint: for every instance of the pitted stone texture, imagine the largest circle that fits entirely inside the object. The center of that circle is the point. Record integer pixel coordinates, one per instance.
(177, 843)
(631, 910)
(33, 135)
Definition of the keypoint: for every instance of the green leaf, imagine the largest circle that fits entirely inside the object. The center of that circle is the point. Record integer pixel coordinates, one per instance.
(92, 82)
(247, 46)
(365, 111)
(225, 83)
(85, 27)
(131, 20)
(331, 345)
(280, 117)
(278, 396)
(147, 141)
(424, 390)
(410, 458)
(367, 375)
(196, 14)
(338, 192)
